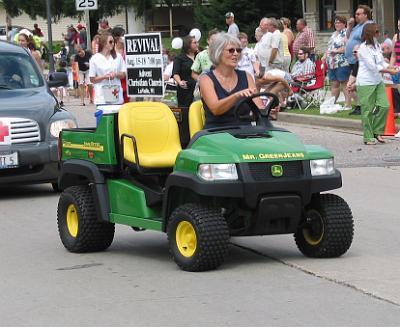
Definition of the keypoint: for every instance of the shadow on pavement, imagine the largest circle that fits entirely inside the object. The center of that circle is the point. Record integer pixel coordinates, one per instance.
(26, 191)
(156, 248)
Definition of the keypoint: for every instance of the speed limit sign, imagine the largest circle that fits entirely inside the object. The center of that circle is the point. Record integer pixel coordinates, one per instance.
(86, 4)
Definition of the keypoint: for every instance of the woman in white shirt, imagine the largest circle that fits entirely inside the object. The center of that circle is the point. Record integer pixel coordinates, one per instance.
(106, 69)
(370, 87)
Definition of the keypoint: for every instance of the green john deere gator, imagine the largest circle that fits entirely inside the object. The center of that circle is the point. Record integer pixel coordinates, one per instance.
(236, 181)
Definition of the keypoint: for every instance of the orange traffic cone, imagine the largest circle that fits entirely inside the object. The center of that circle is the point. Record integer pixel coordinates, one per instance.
(75, 71)
(390, 128)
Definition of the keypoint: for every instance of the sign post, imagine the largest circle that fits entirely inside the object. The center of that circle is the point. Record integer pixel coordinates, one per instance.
(144, 65)
(86, 5)
(49, 36)
(88, 37)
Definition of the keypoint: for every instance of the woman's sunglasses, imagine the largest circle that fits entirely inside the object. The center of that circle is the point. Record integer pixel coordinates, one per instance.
(232, 50)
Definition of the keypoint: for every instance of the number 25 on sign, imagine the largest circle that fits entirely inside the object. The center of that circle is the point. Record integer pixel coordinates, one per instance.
(86, 4)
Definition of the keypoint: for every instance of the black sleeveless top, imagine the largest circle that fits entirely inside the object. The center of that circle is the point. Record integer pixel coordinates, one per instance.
(227, 118)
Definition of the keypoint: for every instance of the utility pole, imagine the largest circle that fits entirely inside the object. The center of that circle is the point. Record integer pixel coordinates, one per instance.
(88, 35)
(50, 36)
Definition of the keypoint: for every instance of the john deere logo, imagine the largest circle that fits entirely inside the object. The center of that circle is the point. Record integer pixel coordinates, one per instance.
(276, 170)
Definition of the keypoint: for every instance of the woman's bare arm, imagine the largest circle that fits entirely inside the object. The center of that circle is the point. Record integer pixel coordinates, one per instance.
(217, 106)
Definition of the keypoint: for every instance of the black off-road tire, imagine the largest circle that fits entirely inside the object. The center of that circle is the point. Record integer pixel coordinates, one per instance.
(336, 227)
(92, 235)
(212, 236)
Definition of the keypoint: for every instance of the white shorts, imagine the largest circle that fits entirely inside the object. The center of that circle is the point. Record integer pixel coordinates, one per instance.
(84, 78)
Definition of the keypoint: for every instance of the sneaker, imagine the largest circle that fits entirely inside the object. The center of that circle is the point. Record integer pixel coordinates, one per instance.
(290, 104)
(398, 134)
(356, 111)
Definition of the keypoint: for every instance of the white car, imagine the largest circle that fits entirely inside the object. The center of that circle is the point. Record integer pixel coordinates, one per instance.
(3, 33)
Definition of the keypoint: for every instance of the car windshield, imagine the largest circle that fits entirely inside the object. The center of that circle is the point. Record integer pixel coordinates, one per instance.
(18, 72)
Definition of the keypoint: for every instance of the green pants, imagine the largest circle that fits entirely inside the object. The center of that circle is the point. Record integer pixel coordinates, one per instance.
(374, 109)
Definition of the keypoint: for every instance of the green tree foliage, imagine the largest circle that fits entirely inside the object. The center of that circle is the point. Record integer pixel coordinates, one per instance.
(247, 13)
(66, 8)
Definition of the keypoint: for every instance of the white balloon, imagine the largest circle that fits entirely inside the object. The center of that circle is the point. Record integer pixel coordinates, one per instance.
(177, 43)
(195, 33)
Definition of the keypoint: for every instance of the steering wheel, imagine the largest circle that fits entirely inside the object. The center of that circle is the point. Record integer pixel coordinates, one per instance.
(15, 84)
(253, 108)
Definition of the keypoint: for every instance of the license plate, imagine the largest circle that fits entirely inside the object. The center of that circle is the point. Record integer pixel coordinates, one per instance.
(8, 160)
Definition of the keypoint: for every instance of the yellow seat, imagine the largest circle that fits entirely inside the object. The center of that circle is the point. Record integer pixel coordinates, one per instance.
(197, 117)
(154, 127)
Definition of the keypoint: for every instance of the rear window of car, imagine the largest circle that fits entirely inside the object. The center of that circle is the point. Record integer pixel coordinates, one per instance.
(18, 72)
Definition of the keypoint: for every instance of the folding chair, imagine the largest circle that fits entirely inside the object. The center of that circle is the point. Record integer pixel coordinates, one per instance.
(310, 89)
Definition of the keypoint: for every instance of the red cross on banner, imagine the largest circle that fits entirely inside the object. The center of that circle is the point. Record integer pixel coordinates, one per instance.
(4, 131)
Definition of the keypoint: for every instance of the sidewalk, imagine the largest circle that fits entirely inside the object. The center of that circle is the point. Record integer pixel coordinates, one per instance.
(311, 120)
(324, 120)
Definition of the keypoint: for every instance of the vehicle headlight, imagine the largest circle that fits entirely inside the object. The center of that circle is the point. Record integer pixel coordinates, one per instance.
(322, 167)
(217, 172)
(57, 126)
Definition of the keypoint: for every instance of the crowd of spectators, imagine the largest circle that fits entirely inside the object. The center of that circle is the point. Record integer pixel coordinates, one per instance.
(356, 63)
(281, 58)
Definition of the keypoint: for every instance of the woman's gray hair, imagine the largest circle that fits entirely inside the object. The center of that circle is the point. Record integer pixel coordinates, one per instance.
(274, 22)
(218, 44)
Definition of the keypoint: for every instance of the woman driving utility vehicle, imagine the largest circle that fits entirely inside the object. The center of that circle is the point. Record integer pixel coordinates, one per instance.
(224, 85)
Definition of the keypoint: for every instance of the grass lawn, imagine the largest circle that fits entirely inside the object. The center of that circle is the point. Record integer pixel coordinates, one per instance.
(315, 112)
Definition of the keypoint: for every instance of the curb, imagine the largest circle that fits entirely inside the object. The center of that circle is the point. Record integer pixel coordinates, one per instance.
(312, 120)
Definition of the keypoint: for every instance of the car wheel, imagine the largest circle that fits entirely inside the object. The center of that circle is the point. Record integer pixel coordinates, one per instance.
(78, 225)
(198, 237)
(327, 228)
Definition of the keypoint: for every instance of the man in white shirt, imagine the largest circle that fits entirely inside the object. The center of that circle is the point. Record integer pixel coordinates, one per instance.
(230, 21)
(270, 49)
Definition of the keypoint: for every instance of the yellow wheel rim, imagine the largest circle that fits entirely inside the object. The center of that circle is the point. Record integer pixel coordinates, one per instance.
(186, 239)
(314, 230)
(72, 220)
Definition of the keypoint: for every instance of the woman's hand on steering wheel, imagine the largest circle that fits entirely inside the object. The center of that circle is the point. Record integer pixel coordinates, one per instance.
(246, 93)
(272, 104)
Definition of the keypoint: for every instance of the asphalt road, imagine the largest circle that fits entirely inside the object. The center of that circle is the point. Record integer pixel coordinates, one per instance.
(348, 147)
(265, 281)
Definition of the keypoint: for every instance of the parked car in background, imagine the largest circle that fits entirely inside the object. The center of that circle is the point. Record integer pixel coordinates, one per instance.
(31, 119)
(15, 29)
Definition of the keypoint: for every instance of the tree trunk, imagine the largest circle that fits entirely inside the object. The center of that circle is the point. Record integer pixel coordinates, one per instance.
(170, 22)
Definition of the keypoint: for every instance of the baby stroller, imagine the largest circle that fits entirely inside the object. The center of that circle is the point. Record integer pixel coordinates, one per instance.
(309, 90)
(60, 92)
